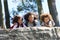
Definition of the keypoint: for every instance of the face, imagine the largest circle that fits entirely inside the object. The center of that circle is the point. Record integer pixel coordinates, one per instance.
(46, 19)
(31, 18)
(20, 21)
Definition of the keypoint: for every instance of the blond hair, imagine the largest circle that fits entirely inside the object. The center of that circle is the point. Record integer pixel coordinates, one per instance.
(42, 16)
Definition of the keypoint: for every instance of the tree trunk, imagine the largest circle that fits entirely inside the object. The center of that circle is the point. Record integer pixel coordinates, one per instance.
(7, 16)
(1, 15)
(53, 11)
(39, 4)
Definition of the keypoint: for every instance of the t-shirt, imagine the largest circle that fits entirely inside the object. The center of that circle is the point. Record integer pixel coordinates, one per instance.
(15, 25)
(31, 24)
(49, 23)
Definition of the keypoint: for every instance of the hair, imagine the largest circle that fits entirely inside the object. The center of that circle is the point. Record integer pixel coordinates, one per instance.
(42, 16)
(16, 18)
(27, 16)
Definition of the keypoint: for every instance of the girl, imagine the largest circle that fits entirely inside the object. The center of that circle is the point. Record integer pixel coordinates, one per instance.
(47, 20)
(30, 19)
(17, 22)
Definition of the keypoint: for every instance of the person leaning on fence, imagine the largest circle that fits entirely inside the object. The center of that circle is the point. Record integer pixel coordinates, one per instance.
(30, 19)
(17, 22)
(47, 20)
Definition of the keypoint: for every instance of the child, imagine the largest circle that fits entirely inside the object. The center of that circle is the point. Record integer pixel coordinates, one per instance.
(47, 20)
(31, 20)
(17, 22)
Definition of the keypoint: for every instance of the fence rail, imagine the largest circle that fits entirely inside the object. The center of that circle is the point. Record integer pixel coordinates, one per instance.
(31, 33)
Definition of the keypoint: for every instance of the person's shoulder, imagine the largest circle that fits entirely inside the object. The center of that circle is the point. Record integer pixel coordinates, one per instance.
(52, 22)
(15, 24)
(37, 23)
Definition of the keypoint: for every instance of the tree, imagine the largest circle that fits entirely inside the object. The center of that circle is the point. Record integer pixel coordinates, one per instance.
(53, 11)
(39, 4)
(1, 15)
(7, 16)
